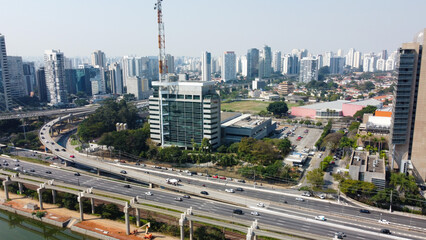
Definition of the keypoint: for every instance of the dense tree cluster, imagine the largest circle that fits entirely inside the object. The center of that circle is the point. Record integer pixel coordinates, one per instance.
(277, 108)
(105, 118)
(368, 109)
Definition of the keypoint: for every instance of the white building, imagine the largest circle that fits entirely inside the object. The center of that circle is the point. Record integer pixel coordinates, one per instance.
(357, 60)
(244, 66)
(116, 78)
(327, 58)
(55, 77)
(390, 64)
(98, 58)
(308, 70)
(206, 66)
(381, 65)
(138, 87)
(350, 57)
(229, 66)
(265, 62)
(276, 61)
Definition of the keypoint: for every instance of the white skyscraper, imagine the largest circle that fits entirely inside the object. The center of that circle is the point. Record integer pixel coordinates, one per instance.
(55, 77)
(308, 70)
(207, 66)
(350, 57)
(238, 65)
(357, 60)
(276, 61)
(327, 57)
(381, 64)
(390, 64)
(244, 66)
(116, 78)
(229, 66)
(339, 52)
(5, 94)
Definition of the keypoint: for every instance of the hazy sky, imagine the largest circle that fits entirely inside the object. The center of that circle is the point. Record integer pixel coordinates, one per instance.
(129, 27)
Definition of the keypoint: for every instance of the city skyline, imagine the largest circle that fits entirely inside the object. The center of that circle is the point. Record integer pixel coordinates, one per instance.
(132, 29)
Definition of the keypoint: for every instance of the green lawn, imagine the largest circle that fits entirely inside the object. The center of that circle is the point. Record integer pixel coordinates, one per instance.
(245, 106)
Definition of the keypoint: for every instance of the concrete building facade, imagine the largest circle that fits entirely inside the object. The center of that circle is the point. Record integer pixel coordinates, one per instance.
(206, 66)
(55, 77)
(229, 66)
(5, 86)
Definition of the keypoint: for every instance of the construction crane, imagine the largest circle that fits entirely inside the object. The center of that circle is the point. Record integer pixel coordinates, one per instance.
(147, 235)
(162, 62)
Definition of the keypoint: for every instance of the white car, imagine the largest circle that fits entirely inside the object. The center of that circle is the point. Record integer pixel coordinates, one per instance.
(300, 199)
(254, 213)
(149, 193)
(321, 218)
(261, 204)
(230, 190)
(383, 221)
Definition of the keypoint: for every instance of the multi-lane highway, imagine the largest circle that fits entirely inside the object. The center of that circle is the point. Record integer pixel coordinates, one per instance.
(270, 214)
(301, 212)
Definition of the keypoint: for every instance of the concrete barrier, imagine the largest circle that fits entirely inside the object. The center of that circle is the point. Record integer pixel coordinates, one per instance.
(30, 215)
(92, 233)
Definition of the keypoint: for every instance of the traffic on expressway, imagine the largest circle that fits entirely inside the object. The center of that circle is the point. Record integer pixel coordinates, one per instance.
(280, 207)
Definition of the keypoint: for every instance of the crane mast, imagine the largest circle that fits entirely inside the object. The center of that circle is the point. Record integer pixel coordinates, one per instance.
(162, 63)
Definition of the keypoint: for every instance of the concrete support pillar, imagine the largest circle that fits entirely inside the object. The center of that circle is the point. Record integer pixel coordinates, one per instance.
(182, 233)
(21, 188)
(40, 197)
(80, 206)
(99, 172)
(151, 185)
(254, 237)
(138, 217)
(191, 230)
(182, 221)
(126, 218)
(92, 202)
(6, 191)
(54, 196)
(66, 163)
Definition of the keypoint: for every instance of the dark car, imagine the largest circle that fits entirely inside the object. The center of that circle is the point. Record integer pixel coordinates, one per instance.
(63, 149)
(364, 211)
(123, 172)
(239, 189)
(48, 172)
(32, 170)
(186, 196)
(238, 211)
(204, 193)
(17, 165)
(385, 231)
(76, 174)
(137, 164)
(127, 186)
(57, 149)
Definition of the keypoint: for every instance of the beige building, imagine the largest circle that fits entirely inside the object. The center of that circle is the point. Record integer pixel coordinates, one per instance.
(408, 131)
(285, 88)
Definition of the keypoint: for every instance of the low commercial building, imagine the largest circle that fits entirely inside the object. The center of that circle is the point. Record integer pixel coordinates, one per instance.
(368, 168)
(335, 109)
(246, 125)
(296, 158)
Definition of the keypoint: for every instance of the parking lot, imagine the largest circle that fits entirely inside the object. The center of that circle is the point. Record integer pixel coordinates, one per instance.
(302, 137)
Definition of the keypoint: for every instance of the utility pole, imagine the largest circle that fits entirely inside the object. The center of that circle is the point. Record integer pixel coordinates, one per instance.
(254, 179)
(390, 206)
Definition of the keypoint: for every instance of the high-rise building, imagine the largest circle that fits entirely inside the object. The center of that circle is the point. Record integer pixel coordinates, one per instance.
(276, 61)
(97, 81)
(409, 115)
(228, 67)
(337, 65)
(184, 113)
(265, 62)
(138, 87)
(327, 58)
(244, 66)
(170, 60)
(41, 85)
(291, 65)
(253, 63)
(29, 76)
(98, 58)
(207, 66)
(308, 70)
(55, 77)
(390, 64)
(238, 65)
(5, 91)
(115, 81)
(350, 57)
(357, 60)
(384, 55)
(18, 86)
(381, 64)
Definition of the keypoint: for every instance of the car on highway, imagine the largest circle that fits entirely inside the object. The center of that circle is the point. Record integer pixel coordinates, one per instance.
(52, 143)
(306, 194)
(63, 150)
(261, 204)
(215, 176)
(239, 189)
(337, 236)
(186, 196)
(223, 178)
(238, 211)
(385, 231)
(126, 186)
(300, 199)
(179, 199)
(230, 190)
(254, 213)
(340, 234)
(32, 170)
(42, 137)
(76, 174)
(16, 169)
(6, 164)
(149, 193)
(322, 196)
(25, 171)
(364, 211)
(48, 172)
(384, 221)
(57, 149)
(17, 165)
(320, 218)
(72, 156)
(123, 172)
(204, 192)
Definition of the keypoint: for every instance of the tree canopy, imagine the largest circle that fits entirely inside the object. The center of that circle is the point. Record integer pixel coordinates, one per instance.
(368, 109)
(278, 108)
